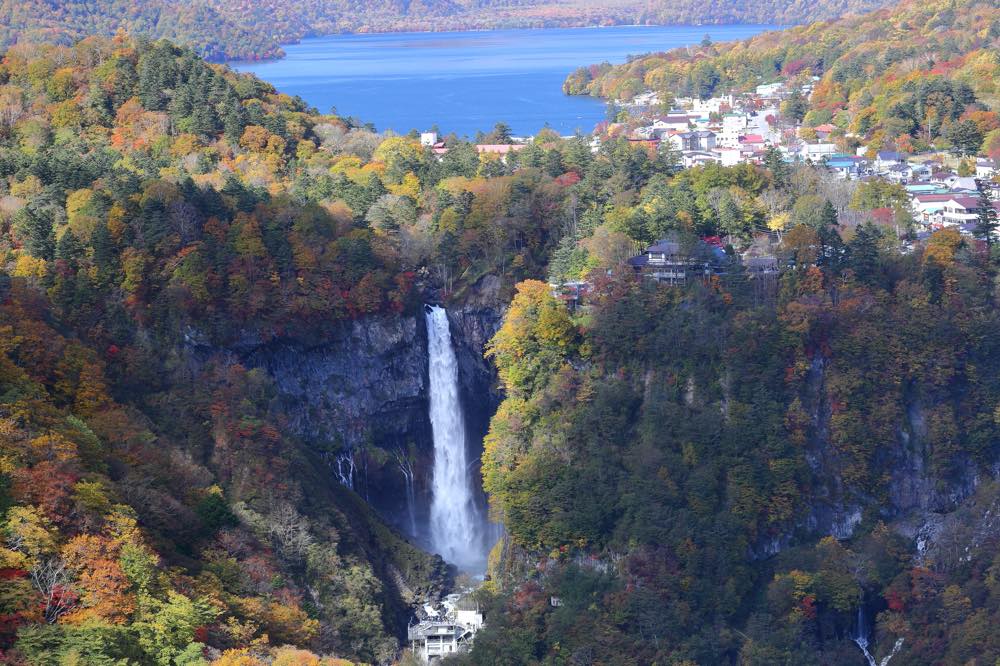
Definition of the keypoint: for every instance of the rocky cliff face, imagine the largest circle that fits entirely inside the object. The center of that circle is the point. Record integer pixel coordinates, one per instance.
(359, 400)
(917, 499)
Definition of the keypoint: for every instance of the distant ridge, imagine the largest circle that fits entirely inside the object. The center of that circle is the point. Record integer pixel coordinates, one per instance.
(249, 30)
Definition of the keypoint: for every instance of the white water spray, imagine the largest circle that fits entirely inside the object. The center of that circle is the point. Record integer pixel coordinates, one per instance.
(455, 524)
(861, 640)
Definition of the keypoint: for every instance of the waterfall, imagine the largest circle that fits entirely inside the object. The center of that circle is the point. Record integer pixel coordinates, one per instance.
(406, 469)
(455, 526)
(861, 640)
(345, 469)
(861, 636)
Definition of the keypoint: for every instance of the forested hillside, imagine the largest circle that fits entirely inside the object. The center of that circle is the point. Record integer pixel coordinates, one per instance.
(233, 29)
(160, 220)
(777, 12)
(667, 460)
(915, 75)
(711, 475)
(219, 29)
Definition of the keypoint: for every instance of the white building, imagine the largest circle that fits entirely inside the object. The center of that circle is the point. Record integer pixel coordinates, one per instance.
(817, 151)
(769, 89)
(428, 138)
(695, 158)
(986, 168)
(708, 106)
(440, 636)
(703, 140)
(960, 210)
(729, 156)
(733, 126)
(676, 122)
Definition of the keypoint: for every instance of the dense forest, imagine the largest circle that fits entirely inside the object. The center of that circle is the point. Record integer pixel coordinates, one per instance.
(775, 12)
(157, 211)
(672, 464)
(237, 30)
(914, 76)
(159, 216)
(666, 462)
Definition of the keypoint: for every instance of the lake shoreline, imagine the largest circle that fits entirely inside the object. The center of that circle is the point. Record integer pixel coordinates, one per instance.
(467, 81)
(236, 62)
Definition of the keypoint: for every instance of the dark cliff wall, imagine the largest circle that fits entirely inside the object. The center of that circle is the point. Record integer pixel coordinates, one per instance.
(359, 400)
(916, 496)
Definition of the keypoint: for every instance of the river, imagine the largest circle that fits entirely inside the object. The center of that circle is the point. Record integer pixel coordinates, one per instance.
(463, 82)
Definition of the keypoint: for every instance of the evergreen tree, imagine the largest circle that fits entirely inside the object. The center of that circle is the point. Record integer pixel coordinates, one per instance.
(775, 163)
(233, 122)
(863, 253)
(986, 225)
(34, 228)
(829, 216)
(501, 134)
(69, 249)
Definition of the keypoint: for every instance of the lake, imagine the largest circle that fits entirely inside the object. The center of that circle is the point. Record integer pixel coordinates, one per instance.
(467, 81)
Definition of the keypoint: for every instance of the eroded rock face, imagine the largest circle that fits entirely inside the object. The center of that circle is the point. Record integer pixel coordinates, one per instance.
(332, 392)
(919, 498)
(360, 399)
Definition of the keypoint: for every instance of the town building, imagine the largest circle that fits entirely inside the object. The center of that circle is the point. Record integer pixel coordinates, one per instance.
(986, 168)
(670, 261)
(702, 140)
(733, 127)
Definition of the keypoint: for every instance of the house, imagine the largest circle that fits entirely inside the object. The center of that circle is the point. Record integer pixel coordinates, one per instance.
(676, 122)
(754, 142)
(428, 138)
(646, 99)
(817, 151)
(959, 183)
(693, 158)
(713, 105)
(762, 267)
(928, 208)
(847, 166)
(769, 89)
(960, 210)
(824, 131)
(728, 156)
(920, 172)
(986, 168)
(672, 262)
(914, 189)
(887, 158)
(898, 173)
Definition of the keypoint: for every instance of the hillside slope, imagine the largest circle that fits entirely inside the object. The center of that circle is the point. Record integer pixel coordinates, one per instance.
(699, 475)
(234, 29)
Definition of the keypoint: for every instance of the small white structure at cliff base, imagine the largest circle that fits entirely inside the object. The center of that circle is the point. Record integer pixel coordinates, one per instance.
(446, 634)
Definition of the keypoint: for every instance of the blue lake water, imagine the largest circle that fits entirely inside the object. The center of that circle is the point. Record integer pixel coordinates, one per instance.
(467, 81)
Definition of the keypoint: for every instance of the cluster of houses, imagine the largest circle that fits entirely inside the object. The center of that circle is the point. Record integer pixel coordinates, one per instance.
(727, 138)
(732, 129)
(726, 129)
(938, 196)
